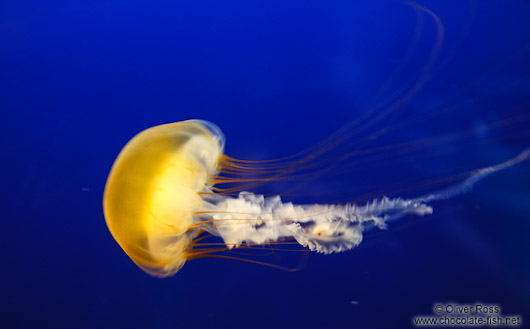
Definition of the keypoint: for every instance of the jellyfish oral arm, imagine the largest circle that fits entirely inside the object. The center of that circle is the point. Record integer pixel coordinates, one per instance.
(253, 219)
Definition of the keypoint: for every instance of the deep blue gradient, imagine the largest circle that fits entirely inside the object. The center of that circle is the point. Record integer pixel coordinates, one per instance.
(79, 79)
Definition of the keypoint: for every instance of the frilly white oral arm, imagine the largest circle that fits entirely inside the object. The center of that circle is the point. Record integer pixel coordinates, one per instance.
(253, 219)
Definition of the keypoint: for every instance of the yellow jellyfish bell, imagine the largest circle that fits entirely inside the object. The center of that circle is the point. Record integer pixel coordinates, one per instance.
(160, 196)
(152, 190)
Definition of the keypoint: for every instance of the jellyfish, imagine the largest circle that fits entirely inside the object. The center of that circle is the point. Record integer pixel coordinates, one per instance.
(160, 196)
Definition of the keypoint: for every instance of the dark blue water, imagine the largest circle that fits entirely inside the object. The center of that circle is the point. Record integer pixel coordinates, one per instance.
(79, 79)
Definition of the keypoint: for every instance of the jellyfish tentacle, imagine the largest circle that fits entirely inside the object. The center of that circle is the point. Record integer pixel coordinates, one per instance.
(467, 185)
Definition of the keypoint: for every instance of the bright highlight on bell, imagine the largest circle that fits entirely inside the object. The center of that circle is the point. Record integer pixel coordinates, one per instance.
(160, 196)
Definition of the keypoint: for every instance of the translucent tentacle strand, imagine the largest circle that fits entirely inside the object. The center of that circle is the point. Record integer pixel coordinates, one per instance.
(468, 184)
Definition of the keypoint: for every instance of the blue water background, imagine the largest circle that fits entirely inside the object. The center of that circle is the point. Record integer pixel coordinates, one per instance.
(79, 79)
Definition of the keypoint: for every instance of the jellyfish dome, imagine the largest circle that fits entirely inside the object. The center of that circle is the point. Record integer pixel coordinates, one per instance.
(152, 192)
(160, 196)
